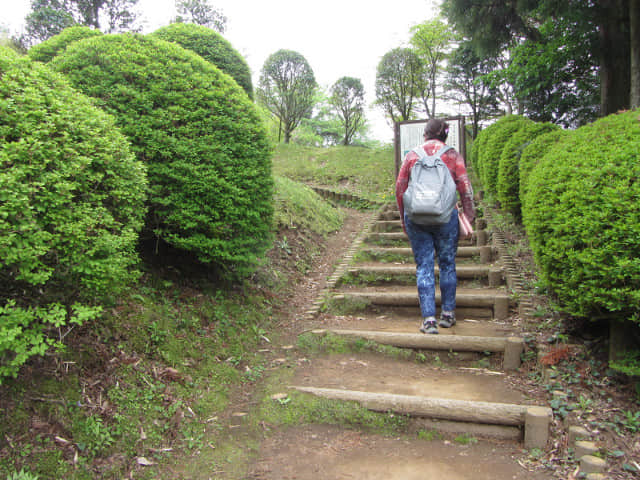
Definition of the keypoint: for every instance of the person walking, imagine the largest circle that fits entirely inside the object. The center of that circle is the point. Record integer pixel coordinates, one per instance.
(439, 239)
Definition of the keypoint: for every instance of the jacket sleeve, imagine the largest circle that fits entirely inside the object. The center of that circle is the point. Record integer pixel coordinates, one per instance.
(402, 182)
(464, 188)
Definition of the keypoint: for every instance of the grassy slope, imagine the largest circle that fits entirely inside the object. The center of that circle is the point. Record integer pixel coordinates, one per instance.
(367, 173)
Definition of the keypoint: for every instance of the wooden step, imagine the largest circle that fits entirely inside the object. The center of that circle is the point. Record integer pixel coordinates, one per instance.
(535, 420)
(486, 253)
(497, 300)
(511, 347)
(494, 275)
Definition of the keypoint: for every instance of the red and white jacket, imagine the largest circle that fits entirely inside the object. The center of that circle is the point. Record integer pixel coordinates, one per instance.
(454, 161)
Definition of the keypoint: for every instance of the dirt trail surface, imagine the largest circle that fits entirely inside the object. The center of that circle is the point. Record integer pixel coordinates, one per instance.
(322, 453)
(453, 450)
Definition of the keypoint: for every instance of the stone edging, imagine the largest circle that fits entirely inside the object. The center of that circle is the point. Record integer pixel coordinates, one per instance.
(514, 278)
(342, 196)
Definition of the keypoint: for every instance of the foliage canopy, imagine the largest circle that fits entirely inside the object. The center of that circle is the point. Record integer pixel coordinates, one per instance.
(286, 88)
(207, 153)
(347, 97)
(211, 46)
(581, 214)
(45, 51)
(71, 206)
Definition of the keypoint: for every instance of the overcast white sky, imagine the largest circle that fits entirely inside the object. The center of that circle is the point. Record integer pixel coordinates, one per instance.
(337, 37)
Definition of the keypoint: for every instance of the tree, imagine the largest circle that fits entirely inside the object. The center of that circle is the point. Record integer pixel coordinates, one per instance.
(287, 87)
(397, 83)
(50, 17)
(514, 22)
(47, 18)
(465, 84)
(347, 97)
(432, 41)
(201, 13)
(555, 79)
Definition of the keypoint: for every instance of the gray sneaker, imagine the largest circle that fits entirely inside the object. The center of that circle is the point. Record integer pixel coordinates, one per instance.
(429, 326)
(447, 319)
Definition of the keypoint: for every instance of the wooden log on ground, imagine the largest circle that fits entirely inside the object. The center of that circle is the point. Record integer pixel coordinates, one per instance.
(397, 299)
(442, 408)
(427, 342)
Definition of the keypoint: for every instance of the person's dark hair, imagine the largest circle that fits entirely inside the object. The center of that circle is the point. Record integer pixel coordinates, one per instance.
(436, 129)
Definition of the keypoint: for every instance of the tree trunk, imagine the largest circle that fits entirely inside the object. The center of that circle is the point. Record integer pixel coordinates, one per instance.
(615, 56)
(634, 17)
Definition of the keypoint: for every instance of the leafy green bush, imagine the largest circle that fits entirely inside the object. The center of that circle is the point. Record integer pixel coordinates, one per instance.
(508, 182)
(45, 51)
(211, 46)
(496, 136)
(208, 157)
(582, 216)
(532, 153)
(71, 206)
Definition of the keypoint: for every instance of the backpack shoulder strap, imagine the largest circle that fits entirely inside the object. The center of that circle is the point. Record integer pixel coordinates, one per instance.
(420, 152)
(443, 150)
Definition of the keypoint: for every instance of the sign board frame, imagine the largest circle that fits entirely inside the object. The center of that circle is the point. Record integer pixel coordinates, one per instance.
(409, 134)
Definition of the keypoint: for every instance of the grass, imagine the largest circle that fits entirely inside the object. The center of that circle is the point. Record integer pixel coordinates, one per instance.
(364, 172)
(328, 343)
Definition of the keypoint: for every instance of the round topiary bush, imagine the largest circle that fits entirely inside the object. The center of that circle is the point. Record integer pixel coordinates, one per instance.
(531, 155)
(208, 157)
(45, 51)
(582, 216)
(71, 205)
(211, 46)
(489, 155)
(508, 181)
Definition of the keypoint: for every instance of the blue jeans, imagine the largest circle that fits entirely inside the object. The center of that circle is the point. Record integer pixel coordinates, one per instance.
(443, 240)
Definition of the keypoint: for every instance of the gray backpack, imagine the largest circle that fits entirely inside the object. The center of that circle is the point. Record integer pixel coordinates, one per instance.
(431, 195)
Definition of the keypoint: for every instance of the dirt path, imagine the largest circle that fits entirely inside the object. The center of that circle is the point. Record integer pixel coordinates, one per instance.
(429, 449)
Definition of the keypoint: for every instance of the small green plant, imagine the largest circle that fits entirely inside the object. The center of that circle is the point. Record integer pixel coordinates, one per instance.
(92, 436)
(429, 435)
(630, 420)
(22, 475)
(465, 439)
(536, 453)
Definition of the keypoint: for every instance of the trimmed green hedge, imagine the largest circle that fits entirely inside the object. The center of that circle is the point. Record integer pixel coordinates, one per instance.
(496, 136)
(45, 51)
(532, 153)
(211, 46)
(71, 205)
(208, 157)
(508, 181)
(582, 216)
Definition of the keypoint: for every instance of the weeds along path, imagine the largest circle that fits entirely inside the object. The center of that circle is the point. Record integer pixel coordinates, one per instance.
(370, 397)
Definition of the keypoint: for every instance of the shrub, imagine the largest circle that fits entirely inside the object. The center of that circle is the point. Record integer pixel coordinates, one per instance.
(491, 149)
(208, 158)
(531, 155)
(582, 212)
(508, 181)
(45, 51)
(211, 46)
(71, 206)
